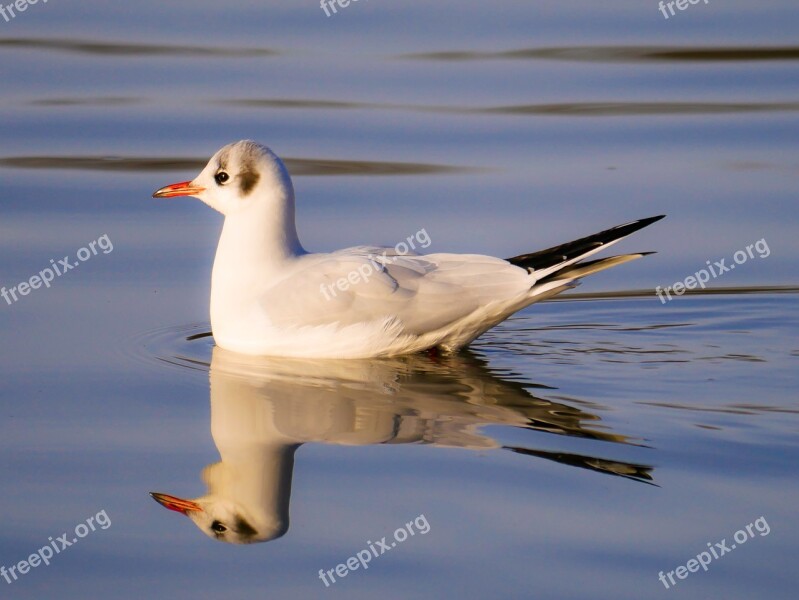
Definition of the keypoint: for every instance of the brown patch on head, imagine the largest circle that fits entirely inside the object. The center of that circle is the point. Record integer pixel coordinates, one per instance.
(248, 178)
(222, 161)
(244, 528)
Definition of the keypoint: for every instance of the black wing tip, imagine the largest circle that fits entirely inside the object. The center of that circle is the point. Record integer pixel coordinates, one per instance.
(552, 256)
(634, 226)
(650, 220)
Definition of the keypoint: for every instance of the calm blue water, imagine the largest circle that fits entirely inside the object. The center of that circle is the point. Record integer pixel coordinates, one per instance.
(577, 450)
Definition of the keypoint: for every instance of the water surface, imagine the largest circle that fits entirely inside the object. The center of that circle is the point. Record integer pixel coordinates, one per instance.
(577, 450)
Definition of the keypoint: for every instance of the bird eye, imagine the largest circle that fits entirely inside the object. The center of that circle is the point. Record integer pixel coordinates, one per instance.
(221, 177)
(218, 527)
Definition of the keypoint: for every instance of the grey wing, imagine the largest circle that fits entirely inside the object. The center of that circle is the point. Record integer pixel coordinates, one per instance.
(367, 284)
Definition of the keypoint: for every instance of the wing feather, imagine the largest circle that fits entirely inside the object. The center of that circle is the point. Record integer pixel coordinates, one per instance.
(368, 283)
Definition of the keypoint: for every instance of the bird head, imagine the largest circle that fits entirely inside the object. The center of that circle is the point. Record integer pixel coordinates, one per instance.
(239, 177)
(220, 519)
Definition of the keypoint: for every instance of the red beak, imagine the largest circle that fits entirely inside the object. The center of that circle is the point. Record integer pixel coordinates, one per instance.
(177, 504)
(184, 188)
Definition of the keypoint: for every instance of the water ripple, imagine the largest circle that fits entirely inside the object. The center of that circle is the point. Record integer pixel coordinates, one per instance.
(616, 54)
(570, 109)
(297, 166)
(90, 101)
(613, 108)
(98, 48)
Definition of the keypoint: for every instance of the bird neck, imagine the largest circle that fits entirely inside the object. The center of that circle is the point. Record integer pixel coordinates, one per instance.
(258, 477)
(254, 248)
(257, 461)
(264, 234)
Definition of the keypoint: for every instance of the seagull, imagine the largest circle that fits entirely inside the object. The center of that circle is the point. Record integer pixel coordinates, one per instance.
(271, 297)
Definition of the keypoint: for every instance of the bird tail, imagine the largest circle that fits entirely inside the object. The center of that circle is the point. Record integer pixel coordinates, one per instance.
(560, 265)
(552, 271)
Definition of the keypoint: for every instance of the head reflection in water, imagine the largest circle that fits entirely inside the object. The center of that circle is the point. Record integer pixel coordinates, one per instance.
(263, 409)
(218, 518)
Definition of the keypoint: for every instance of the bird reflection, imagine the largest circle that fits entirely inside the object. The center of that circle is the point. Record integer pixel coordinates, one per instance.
(264, 409)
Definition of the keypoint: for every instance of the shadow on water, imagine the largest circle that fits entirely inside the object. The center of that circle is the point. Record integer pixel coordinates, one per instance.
(264, 409)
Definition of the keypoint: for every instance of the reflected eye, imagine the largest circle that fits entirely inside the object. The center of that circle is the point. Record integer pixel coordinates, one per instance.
(218, 527)
(221, 177)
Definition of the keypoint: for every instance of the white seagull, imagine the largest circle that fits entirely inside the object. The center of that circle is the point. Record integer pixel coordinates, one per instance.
(269, 296)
